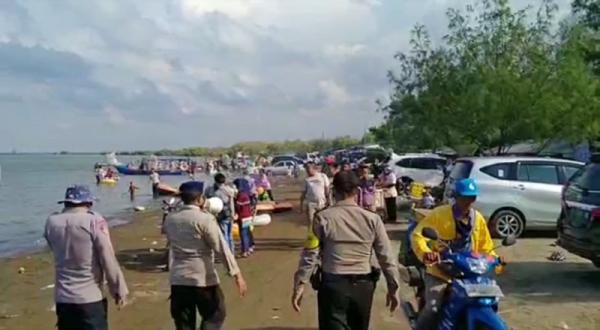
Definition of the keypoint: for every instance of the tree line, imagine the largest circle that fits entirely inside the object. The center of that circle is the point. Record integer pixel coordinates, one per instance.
(498, 77)
(260, 148)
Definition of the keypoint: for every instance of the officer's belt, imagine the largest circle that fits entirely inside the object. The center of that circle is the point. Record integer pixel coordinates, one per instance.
(347, 277)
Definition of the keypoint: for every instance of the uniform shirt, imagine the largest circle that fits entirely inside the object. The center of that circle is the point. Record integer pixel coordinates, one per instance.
(195, 239)
(83, 257)
(348, 236)
(315, 188)
(442, 220)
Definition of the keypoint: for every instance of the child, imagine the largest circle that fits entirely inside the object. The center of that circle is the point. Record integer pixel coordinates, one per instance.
(244, 216)
(132, 189)
(262, 195)
(428, 200)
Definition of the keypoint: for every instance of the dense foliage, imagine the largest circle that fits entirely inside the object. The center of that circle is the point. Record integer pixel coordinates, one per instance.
(497, 78)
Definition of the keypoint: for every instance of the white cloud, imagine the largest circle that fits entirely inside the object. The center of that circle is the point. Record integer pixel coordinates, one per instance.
(335, 93)
(114, 116)
(344, 50)
(136, 67)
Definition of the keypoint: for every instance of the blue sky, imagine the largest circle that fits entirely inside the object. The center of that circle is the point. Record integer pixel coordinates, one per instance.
(138, 74)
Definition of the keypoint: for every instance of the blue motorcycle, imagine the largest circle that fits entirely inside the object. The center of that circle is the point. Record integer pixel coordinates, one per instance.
(472, 297)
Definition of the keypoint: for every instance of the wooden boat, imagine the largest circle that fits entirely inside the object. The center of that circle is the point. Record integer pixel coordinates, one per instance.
(273, 207)
(166, 190)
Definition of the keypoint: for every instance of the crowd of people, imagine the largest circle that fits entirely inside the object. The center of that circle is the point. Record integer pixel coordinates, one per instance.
(346, 251)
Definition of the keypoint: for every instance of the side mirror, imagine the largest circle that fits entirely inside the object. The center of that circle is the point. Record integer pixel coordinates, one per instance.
(430, 233)
(509, 240)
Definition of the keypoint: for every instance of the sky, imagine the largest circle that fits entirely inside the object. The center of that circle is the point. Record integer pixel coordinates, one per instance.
(149, 74)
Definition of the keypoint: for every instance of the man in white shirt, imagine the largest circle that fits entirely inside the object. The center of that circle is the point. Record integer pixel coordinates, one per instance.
(155, 179)
(315, 195)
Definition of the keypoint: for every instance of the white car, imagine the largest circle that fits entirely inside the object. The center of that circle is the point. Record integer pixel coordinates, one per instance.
(516, 193)
(425, 168)
(281, 168)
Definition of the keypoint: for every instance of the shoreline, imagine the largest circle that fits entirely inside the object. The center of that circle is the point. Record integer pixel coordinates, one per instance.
(116, 219)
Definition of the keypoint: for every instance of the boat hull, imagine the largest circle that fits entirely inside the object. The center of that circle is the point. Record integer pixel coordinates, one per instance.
(132, 171)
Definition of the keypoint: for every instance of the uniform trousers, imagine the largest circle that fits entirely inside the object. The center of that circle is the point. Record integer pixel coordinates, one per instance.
(209, 301)
(345, 302)
(90, 316)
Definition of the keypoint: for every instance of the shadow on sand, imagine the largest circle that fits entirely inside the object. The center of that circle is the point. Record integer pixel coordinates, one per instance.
(551, 282)
(143, 260)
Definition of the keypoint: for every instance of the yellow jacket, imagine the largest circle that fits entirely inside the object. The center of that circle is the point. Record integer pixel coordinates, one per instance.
(442, 220)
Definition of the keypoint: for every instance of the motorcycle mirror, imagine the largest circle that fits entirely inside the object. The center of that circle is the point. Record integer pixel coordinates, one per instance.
(509, 240)
(430, 233)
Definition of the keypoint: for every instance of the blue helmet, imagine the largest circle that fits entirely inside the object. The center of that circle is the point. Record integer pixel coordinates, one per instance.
(466, 188)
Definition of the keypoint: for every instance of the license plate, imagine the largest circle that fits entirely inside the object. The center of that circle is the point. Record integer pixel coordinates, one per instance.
(483, 290)
(579, 218)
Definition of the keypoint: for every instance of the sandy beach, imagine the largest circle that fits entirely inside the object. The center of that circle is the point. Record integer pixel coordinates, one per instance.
(539, 294)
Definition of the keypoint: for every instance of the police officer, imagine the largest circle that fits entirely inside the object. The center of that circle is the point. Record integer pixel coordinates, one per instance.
(195, 239)
(346, 237)
(84, 258)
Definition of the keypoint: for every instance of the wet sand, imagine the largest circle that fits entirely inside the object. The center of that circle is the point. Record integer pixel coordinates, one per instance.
(540, 294)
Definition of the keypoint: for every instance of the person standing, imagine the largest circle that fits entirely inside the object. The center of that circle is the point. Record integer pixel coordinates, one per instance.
(314, 197)
(195, 239)
(155, 179)
(262, 181)
(387, 181)
(244, 216)
(345, 238)
(366, 196)
(226, 217)
(132, 189)
(84, 258)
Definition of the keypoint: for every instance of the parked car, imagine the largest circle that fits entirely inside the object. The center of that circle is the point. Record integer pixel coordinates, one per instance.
(277, 159)
(281, 167)
(425, 168)
(579, 223)
(516, 193)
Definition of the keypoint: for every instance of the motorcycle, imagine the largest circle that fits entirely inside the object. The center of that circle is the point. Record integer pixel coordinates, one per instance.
(472, 296)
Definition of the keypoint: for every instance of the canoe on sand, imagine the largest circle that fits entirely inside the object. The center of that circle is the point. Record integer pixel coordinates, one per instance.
(273, 207)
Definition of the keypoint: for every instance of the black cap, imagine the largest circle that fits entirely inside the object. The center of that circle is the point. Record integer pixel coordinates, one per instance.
(192, 187)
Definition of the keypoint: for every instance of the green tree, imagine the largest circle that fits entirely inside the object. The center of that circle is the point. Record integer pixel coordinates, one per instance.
(497, 79)
(589, 15)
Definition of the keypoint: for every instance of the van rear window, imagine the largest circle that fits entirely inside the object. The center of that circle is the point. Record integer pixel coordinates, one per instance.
(461, 170)
(588, 177)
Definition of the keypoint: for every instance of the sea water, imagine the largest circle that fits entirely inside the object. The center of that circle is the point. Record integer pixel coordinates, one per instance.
(32, 184)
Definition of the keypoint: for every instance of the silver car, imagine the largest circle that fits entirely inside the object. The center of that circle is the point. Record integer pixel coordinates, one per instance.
(516, 192)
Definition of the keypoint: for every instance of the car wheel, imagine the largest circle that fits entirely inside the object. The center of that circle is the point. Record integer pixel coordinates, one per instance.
(596, 263)
(505, 223)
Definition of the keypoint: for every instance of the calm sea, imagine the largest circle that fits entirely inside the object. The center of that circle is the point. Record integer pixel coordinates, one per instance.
(31, 185)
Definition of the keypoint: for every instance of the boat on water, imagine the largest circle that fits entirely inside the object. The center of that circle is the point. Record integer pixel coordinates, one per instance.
(163, 166)
(127, 170)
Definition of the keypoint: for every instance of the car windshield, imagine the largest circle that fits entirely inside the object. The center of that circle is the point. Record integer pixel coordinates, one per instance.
(461, 170)
(588, 178)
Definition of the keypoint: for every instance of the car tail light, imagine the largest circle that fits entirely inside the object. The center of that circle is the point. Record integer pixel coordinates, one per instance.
(596, 213)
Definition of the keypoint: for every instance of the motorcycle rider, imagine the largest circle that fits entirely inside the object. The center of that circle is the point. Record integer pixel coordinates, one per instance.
(461, 227)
